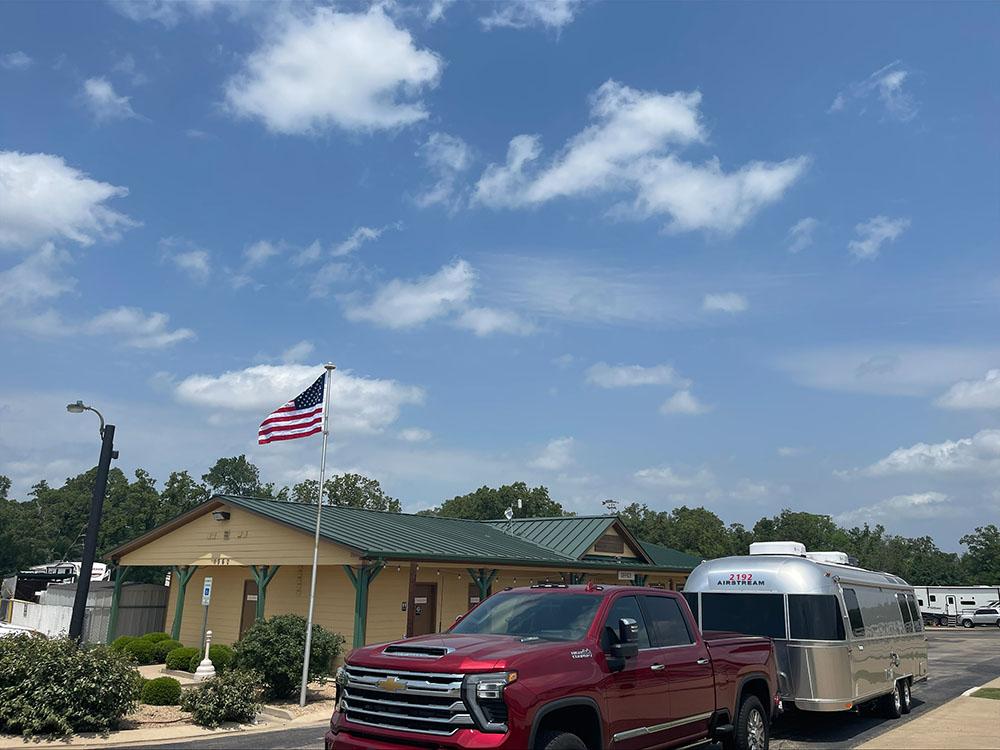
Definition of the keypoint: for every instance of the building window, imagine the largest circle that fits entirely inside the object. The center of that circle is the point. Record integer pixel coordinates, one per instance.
(610, 543)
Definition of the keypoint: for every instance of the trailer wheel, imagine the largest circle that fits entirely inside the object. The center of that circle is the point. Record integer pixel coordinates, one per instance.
(560, 741)
(904, 693)
(942, 622)
(892, 704)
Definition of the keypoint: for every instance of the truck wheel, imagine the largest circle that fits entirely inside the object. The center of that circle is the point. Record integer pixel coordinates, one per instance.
(968, 624)
(892, 704)
(906, 702)
(560, 741)
(751, 731)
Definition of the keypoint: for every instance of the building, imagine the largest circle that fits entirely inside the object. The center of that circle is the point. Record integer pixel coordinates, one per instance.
(381, 575)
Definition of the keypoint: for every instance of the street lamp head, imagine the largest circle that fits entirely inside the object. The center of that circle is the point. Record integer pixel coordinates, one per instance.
(77, 408)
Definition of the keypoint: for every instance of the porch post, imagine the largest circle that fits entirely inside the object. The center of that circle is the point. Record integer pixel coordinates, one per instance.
(482, 580)
(121, 573)
(366, 573)
(576, 578)
(262, 576)
(640, 580)
(183, 574)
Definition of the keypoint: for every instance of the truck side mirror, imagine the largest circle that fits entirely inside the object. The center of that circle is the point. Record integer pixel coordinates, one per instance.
(627, 646)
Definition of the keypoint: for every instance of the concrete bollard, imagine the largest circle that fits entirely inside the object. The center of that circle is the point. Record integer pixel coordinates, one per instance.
(206, 670)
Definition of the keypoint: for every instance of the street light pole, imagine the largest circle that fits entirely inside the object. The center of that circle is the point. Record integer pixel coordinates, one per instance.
(108, 452)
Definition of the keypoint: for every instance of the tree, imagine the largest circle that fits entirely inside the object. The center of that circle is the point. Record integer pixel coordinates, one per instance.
(487, 503)
(238, 476)
(180, 494)
(816, 532)
(982, 561)
(348, 490)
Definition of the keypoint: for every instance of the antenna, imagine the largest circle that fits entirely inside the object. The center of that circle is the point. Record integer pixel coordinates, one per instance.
(509, 515)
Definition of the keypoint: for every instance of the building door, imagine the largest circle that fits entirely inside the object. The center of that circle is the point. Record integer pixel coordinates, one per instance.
(249, 614)
(424, 608)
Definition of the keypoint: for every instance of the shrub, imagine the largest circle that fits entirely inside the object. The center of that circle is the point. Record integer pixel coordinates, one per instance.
(220, 655)
(180, 658)
(155, 637)
(140, 650)
(162, 648)
(274, 648)
(119, 644)
(163, 691)
(53, 687)
(231, 696)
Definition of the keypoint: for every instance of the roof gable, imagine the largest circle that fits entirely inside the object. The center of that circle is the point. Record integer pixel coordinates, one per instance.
(571, 536)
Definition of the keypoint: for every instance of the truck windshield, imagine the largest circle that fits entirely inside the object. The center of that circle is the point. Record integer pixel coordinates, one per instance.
(552, 617)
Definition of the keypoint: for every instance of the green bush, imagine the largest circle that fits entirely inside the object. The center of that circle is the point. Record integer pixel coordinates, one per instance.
(180, 658)
(155, 637)
(140, 650)
(274, 649)
(231, 696)
(50, 686)
(220, 655)
(162, 648)
(162, 691)
(119, 644)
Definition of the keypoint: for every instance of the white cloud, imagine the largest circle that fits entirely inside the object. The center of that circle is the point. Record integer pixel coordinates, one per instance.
(626, 376)
(404, 304)
(683, 402)
(889, 369)
(187, 258)
(298, 352)
(415, 435)
(789, 451)
(979, 454)
(625, 152)
(309, 254)
(898, 507)
(874, 233)
(669, 478)
(170, 12)
(727, 302)
(358, 237)
(800, 236)
(436, 10)
(16, 60)
(974, 394)
(484, 321)
(519, 14)
(446, 157)
(39, 276)
(104, 103)
(41, 197)
(555, 456)
(325, 277)
(887, 83)
(259, 253)
(133, 327)
(316, 71)
(357, 404)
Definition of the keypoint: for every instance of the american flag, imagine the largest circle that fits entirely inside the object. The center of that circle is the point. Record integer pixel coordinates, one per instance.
(298, 418)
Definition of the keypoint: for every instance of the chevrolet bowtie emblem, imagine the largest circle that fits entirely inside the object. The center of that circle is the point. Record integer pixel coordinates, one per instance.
(391, 684)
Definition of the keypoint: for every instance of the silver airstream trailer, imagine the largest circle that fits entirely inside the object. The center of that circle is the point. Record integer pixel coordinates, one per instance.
(844, 636)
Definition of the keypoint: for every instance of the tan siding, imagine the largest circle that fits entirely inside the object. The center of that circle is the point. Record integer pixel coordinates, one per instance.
(245, 539)
(223, 612)
(386, 619)
(628, 551)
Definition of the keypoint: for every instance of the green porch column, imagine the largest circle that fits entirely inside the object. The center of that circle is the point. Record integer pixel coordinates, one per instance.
(183, 574)
(121, 573)
(640, 580)
(483, 580)
(577, 578)
(362, 579)
(262, 576)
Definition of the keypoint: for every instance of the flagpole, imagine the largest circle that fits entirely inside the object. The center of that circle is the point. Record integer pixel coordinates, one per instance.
(327, 387)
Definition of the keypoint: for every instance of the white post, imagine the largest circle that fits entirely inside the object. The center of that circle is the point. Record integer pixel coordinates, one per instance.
(205, 669)
(327, 387)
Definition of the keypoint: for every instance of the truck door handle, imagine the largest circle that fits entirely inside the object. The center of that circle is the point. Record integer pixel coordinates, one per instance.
(658, 667)
(702, 661)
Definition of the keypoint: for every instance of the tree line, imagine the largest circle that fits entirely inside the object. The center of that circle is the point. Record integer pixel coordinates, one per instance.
(49, 523)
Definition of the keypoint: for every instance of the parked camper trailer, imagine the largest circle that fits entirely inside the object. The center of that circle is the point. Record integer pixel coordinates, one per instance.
(942, 605)
(844, 636)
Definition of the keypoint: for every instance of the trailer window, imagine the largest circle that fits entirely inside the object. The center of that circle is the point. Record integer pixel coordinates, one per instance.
(933, 598)
(918, 621)
(750, 614)
(693, 603)
(854, 613)
(815, 617)
(904, 611)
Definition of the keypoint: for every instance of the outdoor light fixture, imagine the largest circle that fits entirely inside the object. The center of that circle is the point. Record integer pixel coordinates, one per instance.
(79, 408)
(220, 515)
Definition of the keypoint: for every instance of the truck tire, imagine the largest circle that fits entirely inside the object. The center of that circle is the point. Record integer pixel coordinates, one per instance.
(968, 624)
(560, 741)
(892, 704)
(751, 730)
(906, 698)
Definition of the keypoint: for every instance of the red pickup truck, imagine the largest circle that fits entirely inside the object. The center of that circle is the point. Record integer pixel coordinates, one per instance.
(555, 667)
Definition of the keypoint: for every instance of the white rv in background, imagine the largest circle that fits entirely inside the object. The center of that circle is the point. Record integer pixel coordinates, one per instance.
(942, 605)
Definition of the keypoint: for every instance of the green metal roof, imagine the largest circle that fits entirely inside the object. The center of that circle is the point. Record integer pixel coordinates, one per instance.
(569, 536)
(668, 557)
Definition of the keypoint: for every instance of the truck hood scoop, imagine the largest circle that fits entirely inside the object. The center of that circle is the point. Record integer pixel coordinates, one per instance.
(416, 650)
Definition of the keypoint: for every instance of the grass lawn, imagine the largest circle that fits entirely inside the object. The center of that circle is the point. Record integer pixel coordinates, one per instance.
(993, 693)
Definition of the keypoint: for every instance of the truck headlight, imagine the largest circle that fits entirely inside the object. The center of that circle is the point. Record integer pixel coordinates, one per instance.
(484, 697)
(339, 682)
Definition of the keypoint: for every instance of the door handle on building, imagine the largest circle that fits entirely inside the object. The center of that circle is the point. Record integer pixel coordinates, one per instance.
(658, 667)
(702, 661)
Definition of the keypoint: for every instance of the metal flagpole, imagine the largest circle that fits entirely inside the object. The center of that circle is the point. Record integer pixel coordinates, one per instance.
(327, 387)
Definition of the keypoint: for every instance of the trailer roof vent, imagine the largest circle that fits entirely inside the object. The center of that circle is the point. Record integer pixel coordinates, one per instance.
(838, 558)
(778, 548)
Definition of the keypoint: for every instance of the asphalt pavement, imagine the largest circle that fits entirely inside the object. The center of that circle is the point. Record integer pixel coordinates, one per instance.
(958, 660)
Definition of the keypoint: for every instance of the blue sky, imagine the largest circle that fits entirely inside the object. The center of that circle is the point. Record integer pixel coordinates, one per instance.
(742, 256)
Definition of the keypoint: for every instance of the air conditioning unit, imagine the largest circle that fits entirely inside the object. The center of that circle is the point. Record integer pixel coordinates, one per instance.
(839, 558)
(778, 548)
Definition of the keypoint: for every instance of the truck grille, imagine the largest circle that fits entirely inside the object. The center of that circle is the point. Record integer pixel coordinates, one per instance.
(405, 701)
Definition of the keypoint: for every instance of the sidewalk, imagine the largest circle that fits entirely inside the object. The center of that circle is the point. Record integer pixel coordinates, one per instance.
(965, 723)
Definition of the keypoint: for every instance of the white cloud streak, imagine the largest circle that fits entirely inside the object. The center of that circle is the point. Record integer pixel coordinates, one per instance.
(684, 402)
(16, 60)
(555, 456)
(104, 103)
(800, 236)
(874, 233)
(973, 394)
(520, 14)
(920, 505)
(726, 302)
(887, 84)
(976, 455)
(627, 376)
(405, 304)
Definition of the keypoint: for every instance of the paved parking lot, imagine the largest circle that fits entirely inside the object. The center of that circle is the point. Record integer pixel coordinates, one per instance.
(959, 659)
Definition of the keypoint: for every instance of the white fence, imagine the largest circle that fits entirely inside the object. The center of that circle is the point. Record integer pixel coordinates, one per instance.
(48, 619)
